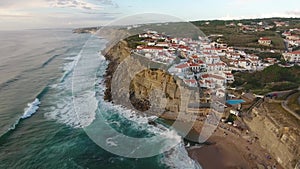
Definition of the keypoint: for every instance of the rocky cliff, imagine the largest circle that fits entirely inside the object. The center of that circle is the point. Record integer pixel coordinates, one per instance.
(279, 138)
(136, 82)
(115, 55)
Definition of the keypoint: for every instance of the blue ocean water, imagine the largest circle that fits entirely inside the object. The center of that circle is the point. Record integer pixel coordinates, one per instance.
(38, 64)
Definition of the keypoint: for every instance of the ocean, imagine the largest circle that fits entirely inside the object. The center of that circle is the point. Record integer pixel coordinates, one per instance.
(39, 127)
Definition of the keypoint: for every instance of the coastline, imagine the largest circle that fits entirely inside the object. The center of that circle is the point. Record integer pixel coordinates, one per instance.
(231, 150)
(227, 151)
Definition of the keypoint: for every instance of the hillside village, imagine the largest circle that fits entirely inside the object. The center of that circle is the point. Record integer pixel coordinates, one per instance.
(201, 60)
(209, 66)
(229, 72)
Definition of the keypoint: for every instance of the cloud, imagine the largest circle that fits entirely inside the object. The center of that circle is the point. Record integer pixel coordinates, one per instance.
(287, 14)
(22, 4)
(77, 4)
(106, 2)
(83, 4)
(293, 13)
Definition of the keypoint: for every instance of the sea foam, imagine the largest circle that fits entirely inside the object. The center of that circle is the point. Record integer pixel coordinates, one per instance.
(63, 111)
(31, 109)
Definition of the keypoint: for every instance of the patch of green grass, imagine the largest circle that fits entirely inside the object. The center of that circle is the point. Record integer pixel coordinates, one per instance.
(231, 118)
(233, 36)
(134, 41)
(293, 103)
(273, 78)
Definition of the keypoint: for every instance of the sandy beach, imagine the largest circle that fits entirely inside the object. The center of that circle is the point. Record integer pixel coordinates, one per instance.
(232, 151)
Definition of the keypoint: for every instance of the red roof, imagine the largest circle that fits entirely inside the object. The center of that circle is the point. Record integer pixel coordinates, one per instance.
(253, 59)
(270, 58)
(217, 77)
(194, 64)
(209, 49)
(215, 57)
(162, 43)
(190, 81)
(221, 64)
(153, 47)
(207, 81)
(296, 52)
(181, 66)
(200, 62)
(264, 38)
(205, 76)
(212, 76)
(235, 54)
(183, 47)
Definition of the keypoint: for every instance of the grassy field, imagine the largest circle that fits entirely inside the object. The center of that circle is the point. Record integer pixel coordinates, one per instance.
(233, 36)
(282, 117)
(173, 29)
(273, 78)
(293, 103)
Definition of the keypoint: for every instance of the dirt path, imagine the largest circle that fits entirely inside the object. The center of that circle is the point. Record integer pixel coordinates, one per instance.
(285, 107)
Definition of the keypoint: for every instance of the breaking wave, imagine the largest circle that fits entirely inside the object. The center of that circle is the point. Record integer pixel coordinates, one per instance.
(62, 109)
(120, 118)
(31, 109)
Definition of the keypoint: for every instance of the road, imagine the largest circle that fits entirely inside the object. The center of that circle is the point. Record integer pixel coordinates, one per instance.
(285, 107)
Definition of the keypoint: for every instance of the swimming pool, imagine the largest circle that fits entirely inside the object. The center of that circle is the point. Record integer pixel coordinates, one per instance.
(233, 102)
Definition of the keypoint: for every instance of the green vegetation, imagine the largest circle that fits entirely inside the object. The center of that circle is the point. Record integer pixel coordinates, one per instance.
(134, 41)
(234, 36)
(293, 102)
(281, 115)
(273, 78)
(231, 118)
(173, 29)
(264, 55)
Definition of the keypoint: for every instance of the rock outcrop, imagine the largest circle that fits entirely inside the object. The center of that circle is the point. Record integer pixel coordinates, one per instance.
(280, 140)
(138, 83)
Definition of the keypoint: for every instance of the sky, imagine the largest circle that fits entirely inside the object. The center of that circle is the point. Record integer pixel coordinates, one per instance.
(40, 14)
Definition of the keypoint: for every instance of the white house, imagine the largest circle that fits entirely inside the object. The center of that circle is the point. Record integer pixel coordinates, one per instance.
(212, 59)
(229, 77)
(191, 82)
(264, 41)
(162, 44)
(220, 93)
(213, 78)
(151, 49)
(234, 112)
(182, 68)
(207, 84)
(244, 64)
(195, 67)
(292, 56)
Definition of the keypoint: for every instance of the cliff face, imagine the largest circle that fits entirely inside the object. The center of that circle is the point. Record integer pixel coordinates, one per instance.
(150, 85)
(281, 141)
(132, 81)
(115, 55)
